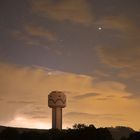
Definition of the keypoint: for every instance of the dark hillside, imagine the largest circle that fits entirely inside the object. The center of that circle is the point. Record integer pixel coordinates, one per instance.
(120, 131)
(79, 132)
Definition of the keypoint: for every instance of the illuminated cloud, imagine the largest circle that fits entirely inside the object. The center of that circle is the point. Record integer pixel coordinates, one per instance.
(24, 92)
(125, 58)
(66, 10)
(38, 31)
(28, 88)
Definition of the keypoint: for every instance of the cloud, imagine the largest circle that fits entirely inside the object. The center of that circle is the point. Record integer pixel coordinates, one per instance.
(24, 91)
(77, 116)
(65, 10)
(90, 115)
(35, 35)
(38, 31)
(128, 97)
(125, 63)
(124, 28)
(86, 95)
(117, 23)
(105, 98)
(39, 117)
(35, 113)
(125, 58)
(20, 102)
(90, 118)
(23, 88)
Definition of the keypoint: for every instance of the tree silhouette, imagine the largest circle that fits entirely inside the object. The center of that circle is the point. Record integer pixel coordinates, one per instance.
(78, 132)
(134, 136)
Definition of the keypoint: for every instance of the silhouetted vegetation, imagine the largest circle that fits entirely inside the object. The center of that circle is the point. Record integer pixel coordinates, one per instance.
(79, 132)
(133, 136)
(119, 132)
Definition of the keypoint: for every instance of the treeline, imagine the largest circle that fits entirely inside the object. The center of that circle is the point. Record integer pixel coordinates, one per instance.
(133, 136)
(79, 132)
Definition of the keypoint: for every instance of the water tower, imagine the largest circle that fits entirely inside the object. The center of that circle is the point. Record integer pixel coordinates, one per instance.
(56, 101)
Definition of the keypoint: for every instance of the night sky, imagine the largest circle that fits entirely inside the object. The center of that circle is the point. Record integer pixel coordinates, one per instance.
(90, 49)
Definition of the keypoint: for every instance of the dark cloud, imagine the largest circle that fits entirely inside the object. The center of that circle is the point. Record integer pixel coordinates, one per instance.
(80, 114)
(39, 117)
(86, 95)
(21, 102)
(120, 23)
(131, 97)
(109, 97)
(65, 10)
(92, 117)
(34, 112)
(39, 31)
(102, 98)
(34, 35)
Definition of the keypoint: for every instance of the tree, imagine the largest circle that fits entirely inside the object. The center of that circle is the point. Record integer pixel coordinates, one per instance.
(79, 126)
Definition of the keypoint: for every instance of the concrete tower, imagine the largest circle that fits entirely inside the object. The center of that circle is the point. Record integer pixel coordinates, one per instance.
(56, 101)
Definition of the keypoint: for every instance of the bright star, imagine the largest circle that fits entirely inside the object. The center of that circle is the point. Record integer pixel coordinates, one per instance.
(99, 28)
